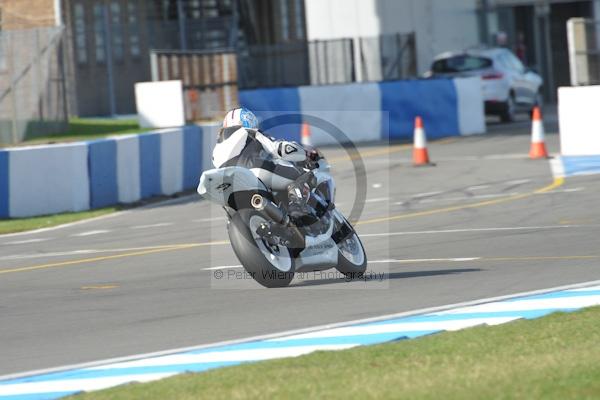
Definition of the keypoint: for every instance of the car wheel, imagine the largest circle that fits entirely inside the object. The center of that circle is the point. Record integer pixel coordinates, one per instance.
(510, 109)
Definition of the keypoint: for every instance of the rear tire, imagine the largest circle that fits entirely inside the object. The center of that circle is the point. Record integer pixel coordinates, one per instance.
(271, 266)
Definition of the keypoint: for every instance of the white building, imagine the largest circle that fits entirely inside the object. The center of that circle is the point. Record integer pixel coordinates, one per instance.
(439, 25)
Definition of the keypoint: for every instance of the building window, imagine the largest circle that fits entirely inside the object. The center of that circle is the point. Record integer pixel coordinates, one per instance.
(80, 44)
(116, 31)
(134, 30)
(299, 18)
(194, 11)
(99, 33)
(285, 20)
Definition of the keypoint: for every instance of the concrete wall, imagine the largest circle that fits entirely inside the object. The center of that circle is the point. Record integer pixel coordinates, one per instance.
(42, 180)
(371, 111)
(440, 25)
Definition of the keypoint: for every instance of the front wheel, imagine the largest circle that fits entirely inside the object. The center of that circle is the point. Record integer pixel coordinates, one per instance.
(352, 259)
(270, 265)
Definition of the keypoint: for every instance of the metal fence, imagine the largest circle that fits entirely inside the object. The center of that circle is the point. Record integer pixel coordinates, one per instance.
(388, 57)
(33, 95)
(211, 77)
(324, 62)
(584, 51)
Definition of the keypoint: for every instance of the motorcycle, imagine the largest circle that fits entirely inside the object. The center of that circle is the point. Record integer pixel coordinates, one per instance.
(272, 240)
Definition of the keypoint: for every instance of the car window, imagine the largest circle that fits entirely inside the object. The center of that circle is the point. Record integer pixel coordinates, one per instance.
(461, 63)
(504, 62)
(515, 63)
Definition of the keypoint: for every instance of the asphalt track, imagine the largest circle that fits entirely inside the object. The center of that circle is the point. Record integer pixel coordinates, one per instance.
(486, 221)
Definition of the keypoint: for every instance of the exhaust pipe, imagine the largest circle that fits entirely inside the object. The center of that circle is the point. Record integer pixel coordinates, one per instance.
(275, 213)
(291, 233)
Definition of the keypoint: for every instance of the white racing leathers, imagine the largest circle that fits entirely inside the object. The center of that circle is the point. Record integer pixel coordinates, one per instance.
(270, 160)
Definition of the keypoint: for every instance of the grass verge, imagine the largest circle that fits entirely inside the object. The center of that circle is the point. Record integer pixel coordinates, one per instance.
(556, 357)
(88, 129)
(27, 224)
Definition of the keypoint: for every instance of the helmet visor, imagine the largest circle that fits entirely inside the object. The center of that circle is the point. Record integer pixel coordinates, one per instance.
(225, 133)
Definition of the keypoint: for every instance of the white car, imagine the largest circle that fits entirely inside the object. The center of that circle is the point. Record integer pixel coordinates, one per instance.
(508, 86)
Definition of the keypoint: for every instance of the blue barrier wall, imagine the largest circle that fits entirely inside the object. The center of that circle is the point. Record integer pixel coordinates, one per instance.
(192, 156)
(4, 176)
(434, 100)
(374, 111)
(102, 164)
(268, 104)
(149, 165)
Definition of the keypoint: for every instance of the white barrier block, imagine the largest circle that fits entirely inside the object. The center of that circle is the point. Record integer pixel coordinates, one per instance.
(128, 168)
(171, 161)
(579, 120)
(355, 109)
(160, 104)
(48, 179)
(471, 110)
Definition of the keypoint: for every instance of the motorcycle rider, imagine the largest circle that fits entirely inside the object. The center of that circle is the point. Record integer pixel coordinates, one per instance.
(279, 164)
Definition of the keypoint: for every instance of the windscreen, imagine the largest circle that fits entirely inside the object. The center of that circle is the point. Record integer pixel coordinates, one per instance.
(462, 63)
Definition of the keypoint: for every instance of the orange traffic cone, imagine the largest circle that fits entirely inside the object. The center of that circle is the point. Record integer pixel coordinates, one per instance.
(420, 154)
(305, 135)
(538, 141)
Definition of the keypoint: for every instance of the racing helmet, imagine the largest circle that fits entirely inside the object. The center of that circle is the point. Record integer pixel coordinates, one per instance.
(232, 136)
(240, 117)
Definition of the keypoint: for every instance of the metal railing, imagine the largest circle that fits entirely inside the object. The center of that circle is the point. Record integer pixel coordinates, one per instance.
(33, 92)
(325, 62)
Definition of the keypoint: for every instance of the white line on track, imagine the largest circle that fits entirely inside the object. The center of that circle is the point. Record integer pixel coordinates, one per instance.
(478, 187)
(221, 267)
(91, 233)
(424, 260)
(481, 196)
(467, 230)
(28, 241)
(377, 200)
(428, 194)
(209, 219)
(80, 252)
(517, 182)
(44, 255)
(152, 225)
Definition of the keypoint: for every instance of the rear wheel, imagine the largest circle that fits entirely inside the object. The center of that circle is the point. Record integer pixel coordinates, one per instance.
(270, 265)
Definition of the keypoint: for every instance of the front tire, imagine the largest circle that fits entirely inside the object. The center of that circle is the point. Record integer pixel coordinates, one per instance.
(352, 258)
(271, 266)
